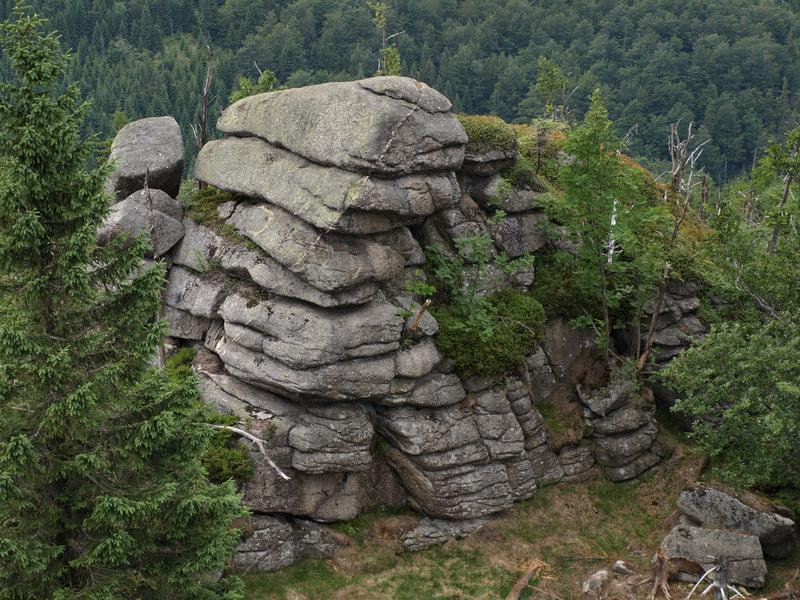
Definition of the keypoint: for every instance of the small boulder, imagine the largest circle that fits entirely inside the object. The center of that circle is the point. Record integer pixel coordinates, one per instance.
(132, 216)
(693, 551)
(154, 144)
(710, 507)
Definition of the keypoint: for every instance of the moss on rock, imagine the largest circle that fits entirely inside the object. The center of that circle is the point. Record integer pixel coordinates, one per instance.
(487, 133)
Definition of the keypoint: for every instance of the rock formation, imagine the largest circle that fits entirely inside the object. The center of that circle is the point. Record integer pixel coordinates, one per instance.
(294, 293)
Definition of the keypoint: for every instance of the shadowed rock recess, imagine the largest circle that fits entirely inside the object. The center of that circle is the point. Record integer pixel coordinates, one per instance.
(294, 294)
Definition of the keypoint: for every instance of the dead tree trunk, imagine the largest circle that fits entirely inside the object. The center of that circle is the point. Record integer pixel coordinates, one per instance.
(200, 130)
(684, 161)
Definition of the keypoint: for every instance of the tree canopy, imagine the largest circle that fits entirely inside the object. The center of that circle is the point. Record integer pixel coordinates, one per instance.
(102, 490)
(728, 66)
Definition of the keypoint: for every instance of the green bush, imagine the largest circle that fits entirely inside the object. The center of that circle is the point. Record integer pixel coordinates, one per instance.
(492, 340)
(487, 133)
(225, 458)
(555, 286)
(202, 204)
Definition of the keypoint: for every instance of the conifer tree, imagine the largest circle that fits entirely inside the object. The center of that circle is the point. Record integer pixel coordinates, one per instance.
(102, 494)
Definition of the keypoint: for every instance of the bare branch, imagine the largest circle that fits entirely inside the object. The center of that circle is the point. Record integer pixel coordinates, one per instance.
(257, 441)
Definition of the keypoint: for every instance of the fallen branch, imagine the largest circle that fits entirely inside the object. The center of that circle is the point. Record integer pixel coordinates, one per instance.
(413, 327)
(534, 568)
(257, 441)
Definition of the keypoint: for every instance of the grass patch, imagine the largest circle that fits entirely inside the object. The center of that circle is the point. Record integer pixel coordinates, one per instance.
(315, 578)
(575, 529)
(486, 133)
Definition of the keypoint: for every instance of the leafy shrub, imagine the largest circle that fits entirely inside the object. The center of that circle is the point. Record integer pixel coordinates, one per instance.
(267, 82)
(555, 286)
(225, 458)
(179, 365)
(494, 339)
(487, 133)
(740, 384)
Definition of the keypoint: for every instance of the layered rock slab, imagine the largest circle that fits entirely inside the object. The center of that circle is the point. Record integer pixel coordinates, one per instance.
(202, 248)
(710, 507)
(329, 198)
(328, 262)
(385, 125)
(302, 336)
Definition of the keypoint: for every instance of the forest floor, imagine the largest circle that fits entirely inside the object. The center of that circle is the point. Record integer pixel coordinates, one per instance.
(573, 530)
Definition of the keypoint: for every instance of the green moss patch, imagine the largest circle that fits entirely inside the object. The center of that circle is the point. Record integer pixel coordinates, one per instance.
(492, 342)
(201, 207)
(487, 133)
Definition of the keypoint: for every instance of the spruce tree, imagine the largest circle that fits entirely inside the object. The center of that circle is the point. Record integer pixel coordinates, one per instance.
(102, 493)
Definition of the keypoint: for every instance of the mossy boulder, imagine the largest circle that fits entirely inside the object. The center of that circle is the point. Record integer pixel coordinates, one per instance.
(491, 145)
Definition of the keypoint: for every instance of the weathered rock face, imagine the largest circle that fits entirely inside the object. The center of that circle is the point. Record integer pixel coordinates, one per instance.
(693, 551)
(712, 508)
(388, 126)
(153, 146)
(296, 295)
(275, 542)
(326, 197)
(623, 429)
(158, 217)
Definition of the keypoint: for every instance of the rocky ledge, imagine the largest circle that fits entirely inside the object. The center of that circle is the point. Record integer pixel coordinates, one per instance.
(292, 288)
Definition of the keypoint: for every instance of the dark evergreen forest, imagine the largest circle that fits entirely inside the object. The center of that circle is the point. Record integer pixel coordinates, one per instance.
(729, 65)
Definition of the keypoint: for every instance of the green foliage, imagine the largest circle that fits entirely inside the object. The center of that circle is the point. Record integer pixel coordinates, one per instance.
(179, 364)
(102, 494)
(486, 133)
(267, 82)
(740, 383)
(522, 174)
(202, 208)
(607, 211)
(224, 458)
(556, 287)
(419, 286)
(390, 59)
(495, 339)
(202, 204)
(551, 85)
(540, 144)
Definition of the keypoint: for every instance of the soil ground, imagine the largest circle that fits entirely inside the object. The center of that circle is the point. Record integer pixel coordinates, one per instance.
(573, 530)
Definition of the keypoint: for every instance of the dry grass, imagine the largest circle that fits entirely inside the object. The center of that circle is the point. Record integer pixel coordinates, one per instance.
(573, 529)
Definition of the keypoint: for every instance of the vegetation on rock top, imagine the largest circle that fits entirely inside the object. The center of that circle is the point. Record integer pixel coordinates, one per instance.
(486, 133)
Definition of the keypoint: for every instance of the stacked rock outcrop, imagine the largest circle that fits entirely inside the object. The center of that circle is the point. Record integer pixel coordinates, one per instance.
(623, 430)
(148, 159)
(306, 326)
(293, 289)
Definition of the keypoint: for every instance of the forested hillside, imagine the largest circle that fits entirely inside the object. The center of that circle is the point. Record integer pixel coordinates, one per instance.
(731, 66)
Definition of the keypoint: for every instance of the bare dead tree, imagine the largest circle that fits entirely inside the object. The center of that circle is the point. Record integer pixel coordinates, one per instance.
(200, 130)
(684, 154)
